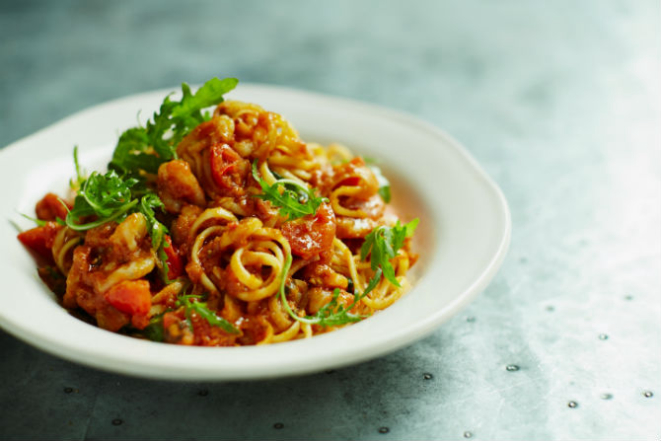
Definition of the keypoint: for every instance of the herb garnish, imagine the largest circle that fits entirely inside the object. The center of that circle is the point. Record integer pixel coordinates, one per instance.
(382, 245)
(294, 199)
(384, 184)
(121, 191)
(201, 309)
(145, 148)
(154, 330)
(107, 197)
(156, 229)
(39, 222)
(80, 175)
(110, 197)
(332, 313)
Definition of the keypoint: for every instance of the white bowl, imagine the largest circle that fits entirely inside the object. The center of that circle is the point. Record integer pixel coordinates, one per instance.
(462, 238)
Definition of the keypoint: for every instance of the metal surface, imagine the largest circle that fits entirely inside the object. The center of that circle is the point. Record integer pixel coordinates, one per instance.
(560, 102)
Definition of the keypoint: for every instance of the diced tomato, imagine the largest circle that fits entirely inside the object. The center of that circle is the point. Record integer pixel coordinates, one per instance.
(131, 297)
(170, 318)
(311, 235)
(51, 207)
(352, 181)
(40, 239)
(174, 262)
(140, 321)
(223, 161)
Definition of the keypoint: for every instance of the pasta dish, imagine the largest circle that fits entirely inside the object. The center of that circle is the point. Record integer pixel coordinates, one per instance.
(222, 227)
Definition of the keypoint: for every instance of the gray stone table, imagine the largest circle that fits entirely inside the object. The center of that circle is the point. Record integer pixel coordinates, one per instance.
(559, 101)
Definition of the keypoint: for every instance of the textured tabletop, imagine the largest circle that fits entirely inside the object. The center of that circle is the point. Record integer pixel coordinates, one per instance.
(560, 103)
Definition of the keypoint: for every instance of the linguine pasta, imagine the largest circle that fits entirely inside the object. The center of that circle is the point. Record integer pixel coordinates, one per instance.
(246, 236)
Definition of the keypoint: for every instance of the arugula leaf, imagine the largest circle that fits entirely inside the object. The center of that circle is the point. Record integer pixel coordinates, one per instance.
(384, 183)
(401, 232)
(294, 199)
(129, 154)
(145, 148)
(115, 194)
(154, 330)
(332, 313)
(384, 192)
(121, 191)
(209, 94)
(382, 245)
(108, 197)
(156, 229)
(201, 309)
(80, 176)
(111, 197)
(39, 222)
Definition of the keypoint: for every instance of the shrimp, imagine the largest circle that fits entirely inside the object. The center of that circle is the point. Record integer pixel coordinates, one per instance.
(177, 186)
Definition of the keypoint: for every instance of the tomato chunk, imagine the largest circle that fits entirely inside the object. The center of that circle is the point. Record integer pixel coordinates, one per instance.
(351, 182)
(169, 319)
(40, 239)
(223, 161)
(311, 235)
(174, 263)
(51, 207)
(131, 297)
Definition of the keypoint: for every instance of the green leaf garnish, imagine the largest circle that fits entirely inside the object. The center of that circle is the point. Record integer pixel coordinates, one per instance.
(333, 313)
(294, 199)
(145, 148)
(111, 197)
(130, 156)
(201, 309)
(39, 222)
(384, 184)
(154, 330)
(107, 197)
(156, 229)
(121, 191)
(382, 245)
(80, 176)
(210, 94)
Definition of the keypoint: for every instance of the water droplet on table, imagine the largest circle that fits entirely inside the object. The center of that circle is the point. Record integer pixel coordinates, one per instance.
(606, 396)
(603, 337)
(512, 368)
(427, 376)
(467, 434)
(572, 404)
(648, 394)
(384, 430)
